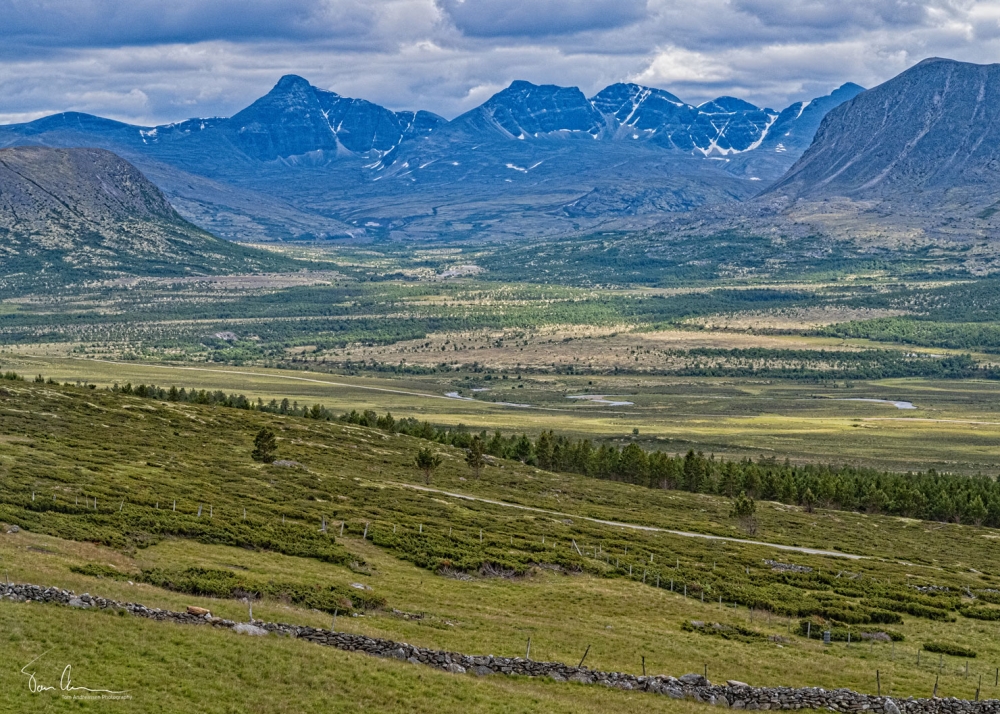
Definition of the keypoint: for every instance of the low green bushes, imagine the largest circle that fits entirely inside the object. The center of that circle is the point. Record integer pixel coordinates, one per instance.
(980, 613)
(912, 608)
(840, 634)
(725, 631)
(211, 582)
(949, 649)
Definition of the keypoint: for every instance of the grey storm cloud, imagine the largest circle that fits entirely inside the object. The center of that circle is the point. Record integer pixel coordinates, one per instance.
(90, 23)
(150, 61)
(539, 18)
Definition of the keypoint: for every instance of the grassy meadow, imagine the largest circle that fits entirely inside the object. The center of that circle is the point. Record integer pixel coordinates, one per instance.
(160, 502)
(420, 552)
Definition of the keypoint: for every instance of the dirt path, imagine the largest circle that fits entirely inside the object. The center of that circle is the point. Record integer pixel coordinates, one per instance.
(654, 529)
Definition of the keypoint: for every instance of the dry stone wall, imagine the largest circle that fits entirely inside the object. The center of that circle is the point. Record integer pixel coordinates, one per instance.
(732, 695)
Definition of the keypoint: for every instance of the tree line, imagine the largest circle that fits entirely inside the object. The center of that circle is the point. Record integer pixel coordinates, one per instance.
(928, 495)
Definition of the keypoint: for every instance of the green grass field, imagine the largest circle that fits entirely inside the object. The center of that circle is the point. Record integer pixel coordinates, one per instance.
(137, 456)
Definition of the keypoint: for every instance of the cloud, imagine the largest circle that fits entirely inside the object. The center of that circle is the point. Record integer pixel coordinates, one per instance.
(539, 18)
(152, 62)
(675, 65)
(96, 23)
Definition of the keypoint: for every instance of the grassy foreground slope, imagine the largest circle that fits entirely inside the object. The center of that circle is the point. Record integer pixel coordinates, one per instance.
(170, 669)
(444, 571)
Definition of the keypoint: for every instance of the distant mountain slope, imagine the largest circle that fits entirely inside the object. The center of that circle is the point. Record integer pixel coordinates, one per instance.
(87, 214)
(920, 152)
(933, 127)
(305, 163)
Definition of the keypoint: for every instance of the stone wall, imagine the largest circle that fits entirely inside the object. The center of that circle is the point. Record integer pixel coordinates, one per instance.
(732, 695)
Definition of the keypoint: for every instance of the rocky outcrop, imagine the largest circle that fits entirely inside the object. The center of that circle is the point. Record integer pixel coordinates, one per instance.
(732, 695)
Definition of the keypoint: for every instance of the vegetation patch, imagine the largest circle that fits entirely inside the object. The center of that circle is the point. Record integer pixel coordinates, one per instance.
(725, 631)
(214, 582)
(980, 613)
(949, 649)
(815, 630)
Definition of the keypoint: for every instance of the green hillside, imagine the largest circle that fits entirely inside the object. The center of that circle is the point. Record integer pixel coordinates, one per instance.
(444, 570)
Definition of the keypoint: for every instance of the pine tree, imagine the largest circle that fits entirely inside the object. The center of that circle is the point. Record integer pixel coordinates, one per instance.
(745, 511)
(427, 461)
(809, 500)
(264, 446)
(474, 457)
(976, 511)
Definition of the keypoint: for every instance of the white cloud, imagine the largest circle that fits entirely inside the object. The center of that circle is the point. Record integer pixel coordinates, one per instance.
(675, 65)
(153, 62)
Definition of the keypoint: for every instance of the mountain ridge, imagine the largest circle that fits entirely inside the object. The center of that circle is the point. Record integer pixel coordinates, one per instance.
(918, 156)
(307, 163)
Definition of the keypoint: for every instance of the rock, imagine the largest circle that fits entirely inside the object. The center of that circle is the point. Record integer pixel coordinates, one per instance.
(694, 680)
(889, 707)
(13, 529)
(455, 668)
(736, 683)
(199, 611)
(77, 602)
(360, 586)
(245, 628)
(482, 671)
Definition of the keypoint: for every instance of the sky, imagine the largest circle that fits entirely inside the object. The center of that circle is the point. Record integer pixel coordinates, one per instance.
(151, 62)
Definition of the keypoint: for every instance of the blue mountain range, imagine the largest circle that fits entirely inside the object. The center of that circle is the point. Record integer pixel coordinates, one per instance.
(302, 162)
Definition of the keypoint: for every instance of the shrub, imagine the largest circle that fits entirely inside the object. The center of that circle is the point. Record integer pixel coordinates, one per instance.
(912, 608)
(725, 631)
(839, 634)
(95, 570)
(948, 649)
(227, 584)
(979, 613)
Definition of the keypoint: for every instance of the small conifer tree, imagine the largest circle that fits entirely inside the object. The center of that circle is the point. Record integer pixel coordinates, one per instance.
(265, 445)
(745, 511)
(474, 457)
(427, 461)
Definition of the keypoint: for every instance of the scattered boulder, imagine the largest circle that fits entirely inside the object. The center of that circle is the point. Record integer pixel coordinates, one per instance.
(13, 529)
(694, 680)
(245, 628)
